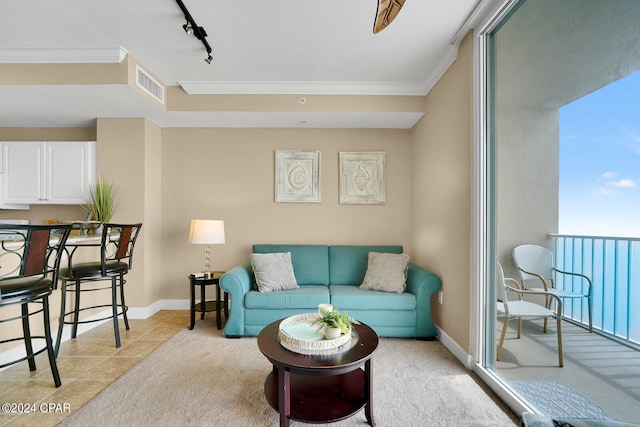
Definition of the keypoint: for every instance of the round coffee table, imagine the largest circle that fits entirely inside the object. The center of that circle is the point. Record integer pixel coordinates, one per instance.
(319, 388)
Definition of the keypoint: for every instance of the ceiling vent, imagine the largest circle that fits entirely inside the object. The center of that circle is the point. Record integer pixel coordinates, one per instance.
(149, 85)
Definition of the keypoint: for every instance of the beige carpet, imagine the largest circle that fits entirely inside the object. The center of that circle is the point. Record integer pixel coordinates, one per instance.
(200, 378)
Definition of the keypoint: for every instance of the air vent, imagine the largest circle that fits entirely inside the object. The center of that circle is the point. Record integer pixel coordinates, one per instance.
(149, 85)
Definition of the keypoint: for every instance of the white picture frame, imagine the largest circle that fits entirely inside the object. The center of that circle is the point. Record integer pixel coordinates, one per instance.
(362, 177)
(297, 177)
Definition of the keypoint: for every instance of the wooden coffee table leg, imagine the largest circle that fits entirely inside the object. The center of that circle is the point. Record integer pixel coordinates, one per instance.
(284, 396)
(368, 392)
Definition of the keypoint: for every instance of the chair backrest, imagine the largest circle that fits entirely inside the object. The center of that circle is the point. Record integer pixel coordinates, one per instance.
(501, 293)
(118, 242)
(535, 259)
(31, 250)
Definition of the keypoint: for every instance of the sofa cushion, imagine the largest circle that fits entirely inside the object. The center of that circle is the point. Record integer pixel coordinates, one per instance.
(386, 272)
(273, 271)
(348, 264)
(307, 297)
(310, 262)
(346, 297)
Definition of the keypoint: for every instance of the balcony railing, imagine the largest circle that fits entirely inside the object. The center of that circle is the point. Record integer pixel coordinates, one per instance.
(613, 264)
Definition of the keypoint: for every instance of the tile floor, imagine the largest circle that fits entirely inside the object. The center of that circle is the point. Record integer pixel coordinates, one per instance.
(604, 371)
(87, 365)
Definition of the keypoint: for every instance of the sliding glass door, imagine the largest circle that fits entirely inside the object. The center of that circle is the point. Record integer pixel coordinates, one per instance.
(536, 57)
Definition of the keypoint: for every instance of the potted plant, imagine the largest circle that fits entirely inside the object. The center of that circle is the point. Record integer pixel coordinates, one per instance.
(100, 206)
(335, 323)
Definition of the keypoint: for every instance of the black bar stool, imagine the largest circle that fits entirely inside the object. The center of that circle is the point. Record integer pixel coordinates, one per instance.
(29, 261)
(116, 259)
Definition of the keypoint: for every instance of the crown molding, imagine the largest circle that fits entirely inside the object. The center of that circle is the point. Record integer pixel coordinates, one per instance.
(71, 55)
(307, 88)
(325, 88)
(317, 120)
(439, 69)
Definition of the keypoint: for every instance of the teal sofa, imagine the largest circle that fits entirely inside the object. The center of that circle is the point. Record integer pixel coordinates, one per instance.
(331, 274)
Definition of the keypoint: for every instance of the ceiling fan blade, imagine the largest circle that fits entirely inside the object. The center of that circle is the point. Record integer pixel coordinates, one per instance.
(387, 12)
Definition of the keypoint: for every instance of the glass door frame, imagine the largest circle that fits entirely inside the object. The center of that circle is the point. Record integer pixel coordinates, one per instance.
(484, 227)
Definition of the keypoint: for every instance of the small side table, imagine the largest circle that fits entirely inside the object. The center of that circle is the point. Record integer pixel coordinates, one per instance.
(207, 306)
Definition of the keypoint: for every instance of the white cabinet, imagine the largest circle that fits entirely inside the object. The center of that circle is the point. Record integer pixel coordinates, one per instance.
(47, 172)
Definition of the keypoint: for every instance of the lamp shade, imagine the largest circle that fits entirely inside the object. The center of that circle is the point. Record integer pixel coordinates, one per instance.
(206, 231)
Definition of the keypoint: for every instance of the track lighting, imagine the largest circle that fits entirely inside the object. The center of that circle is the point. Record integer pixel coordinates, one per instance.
(193, 29)
(188, 29)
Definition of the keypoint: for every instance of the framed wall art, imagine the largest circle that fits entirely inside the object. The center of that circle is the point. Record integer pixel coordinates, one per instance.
(362, 177)
(297, 176)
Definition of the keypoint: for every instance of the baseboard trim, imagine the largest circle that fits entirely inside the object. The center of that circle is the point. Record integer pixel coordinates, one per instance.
(163, 304)
(510, 399)
(465, 358)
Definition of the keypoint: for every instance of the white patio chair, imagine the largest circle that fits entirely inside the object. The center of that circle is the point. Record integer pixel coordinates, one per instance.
(520, 309)
(536, 263)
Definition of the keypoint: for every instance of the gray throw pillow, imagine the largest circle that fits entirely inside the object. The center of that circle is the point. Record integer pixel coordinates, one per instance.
(386, 272)
(273, 271)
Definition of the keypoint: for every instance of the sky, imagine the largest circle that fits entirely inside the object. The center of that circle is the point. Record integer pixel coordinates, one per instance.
(600, 162)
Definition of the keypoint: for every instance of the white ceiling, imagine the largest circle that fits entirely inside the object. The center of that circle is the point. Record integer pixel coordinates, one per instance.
(259, 46)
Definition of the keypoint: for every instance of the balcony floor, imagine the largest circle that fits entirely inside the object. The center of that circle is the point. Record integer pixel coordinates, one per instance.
(604, 371)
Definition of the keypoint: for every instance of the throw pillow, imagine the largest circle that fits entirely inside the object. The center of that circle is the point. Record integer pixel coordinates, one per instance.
(386, 272)
(273, 271)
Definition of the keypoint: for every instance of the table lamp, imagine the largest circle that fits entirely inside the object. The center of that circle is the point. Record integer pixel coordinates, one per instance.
(207, 232)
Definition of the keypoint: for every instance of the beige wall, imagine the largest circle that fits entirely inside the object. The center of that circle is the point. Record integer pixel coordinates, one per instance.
(228, 174)
(152, 218)
(129, 154)
(442, 171)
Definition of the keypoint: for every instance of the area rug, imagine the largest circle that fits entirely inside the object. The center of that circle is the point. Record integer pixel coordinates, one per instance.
(558, 400)
(199, 378)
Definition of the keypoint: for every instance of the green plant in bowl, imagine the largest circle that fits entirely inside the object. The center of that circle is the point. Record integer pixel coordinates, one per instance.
(100, 205)
(335, 319)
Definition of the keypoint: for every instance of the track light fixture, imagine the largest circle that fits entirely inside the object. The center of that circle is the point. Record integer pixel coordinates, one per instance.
(192, 28)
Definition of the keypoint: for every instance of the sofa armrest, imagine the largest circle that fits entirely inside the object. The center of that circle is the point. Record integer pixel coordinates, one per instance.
(423, 283)
(236, 282)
